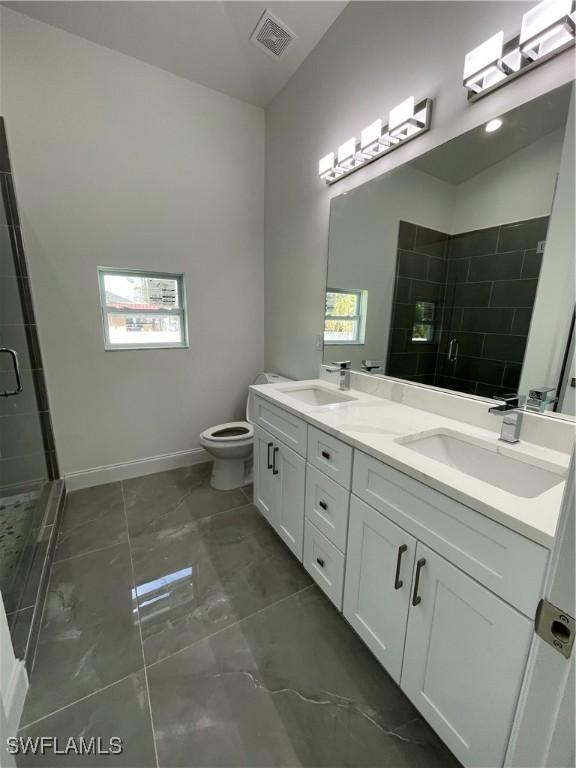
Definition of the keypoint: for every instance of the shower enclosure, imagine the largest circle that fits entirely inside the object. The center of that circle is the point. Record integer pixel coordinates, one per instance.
(30, 492)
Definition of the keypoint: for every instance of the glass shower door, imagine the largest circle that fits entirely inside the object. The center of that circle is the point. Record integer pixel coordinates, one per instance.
(27, 458)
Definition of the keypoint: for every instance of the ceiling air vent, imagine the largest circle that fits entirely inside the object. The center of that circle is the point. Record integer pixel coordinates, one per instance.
(272, 35)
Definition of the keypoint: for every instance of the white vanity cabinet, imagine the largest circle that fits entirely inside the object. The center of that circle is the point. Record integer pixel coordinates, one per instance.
(380, 561)
(279, 483)
(464, 659)
(457, 650)
(442, 595)
(288, 488)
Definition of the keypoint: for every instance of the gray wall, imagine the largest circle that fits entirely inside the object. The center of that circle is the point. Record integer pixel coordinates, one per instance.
(121, 164)
(359, 70)
(364, 242)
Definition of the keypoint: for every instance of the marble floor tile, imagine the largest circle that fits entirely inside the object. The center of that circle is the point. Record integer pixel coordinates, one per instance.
(93, 518)
(174, 498)
(121, 710)
(193, 580)
(89, 636)
(289, 686)
(248, 491)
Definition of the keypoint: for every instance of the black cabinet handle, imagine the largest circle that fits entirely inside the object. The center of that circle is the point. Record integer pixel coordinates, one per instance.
(269, 461)
(416, 599)
(397, 580)
(320, 562)
(323, 505)
(274, 454)
(325, 455)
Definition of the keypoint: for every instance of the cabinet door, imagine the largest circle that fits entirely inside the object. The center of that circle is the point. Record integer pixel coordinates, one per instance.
(264, 485)
(464, 660)
(290, 481)
(379, 561)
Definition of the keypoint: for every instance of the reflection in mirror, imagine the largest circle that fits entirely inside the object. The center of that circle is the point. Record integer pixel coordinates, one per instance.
(456, 270)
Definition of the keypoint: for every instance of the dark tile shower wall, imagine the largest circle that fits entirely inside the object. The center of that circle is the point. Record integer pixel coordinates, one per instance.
(484, 285)
(492, 276)
(420, 276)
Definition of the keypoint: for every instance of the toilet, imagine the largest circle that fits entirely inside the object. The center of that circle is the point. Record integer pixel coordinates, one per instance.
(230, 445)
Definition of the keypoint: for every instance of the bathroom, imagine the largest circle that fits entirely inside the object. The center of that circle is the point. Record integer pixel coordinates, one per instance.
(287, 428)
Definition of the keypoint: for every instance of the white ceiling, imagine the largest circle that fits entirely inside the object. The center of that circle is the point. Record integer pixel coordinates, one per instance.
(207, 42)
(472, 152)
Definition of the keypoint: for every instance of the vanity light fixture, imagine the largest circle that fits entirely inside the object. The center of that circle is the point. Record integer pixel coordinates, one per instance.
(547, 30)
(371, 140)
(327, 168)
(493, 125)
(347, 159)
(405, 121)
(484, 66)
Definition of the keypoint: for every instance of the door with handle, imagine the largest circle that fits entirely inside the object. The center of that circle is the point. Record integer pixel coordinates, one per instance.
(462, 639)
(290, 479)
(379, 565)
(16, 388)
(264, 487)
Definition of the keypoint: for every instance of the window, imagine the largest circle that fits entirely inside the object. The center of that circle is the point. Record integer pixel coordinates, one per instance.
(424, 316)
(142, 310)
(345, 317)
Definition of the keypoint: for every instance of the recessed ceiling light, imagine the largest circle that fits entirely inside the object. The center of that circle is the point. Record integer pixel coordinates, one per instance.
(493, 125)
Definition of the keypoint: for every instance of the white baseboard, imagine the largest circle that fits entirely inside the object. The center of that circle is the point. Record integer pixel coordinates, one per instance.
(16, 696)
(86, 478)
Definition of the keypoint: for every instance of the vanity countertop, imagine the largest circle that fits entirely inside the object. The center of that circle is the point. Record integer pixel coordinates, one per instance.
(374, 425)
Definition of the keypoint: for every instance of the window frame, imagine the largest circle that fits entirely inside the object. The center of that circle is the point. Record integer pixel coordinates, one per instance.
(431, 338)
(181, 312)
(360, 317)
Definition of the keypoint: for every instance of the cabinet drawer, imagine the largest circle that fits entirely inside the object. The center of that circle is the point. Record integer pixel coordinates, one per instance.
(330, 455)
(324, 563)
(504, 561)
(280, 424)
(327, 506)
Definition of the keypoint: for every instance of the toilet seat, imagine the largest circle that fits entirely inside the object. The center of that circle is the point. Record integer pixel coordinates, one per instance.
(231, 432)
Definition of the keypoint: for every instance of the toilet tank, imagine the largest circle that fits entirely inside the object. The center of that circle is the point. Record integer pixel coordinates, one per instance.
(263, 378)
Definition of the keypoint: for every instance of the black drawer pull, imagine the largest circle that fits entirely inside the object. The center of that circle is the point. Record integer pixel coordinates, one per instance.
(397, 580)
(323, 505)
(274, 454)
(325, 455)
(320, 562)
(416, 599)
(269, 461)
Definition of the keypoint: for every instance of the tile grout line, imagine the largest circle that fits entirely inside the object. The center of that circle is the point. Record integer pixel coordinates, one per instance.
(139, 626)
(76, 701)
(90, 552)
(199, 519)
(229, 626)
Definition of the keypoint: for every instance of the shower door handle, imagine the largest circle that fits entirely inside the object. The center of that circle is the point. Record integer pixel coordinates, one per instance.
(453, 350)
(14, 355)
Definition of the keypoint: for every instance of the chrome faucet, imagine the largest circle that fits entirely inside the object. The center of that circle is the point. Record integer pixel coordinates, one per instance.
(372, 365)
(511, 407)
(344, 367)
(540, 398)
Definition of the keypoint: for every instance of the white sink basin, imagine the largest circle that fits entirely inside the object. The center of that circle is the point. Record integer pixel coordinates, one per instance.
(484, 463)
(316, 395)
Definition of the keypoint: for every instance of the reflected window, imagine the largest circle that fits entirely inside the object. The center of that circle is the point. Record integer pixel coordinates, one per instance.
(424, 318)
(345, 317)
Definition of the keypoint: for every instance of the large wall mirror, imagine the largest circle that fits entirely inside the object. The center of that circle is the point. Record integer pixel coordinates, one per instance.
(456, 270)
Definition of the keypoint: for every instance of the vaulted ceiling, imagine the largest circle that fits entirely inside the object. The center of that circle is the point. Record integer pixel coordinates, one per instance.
(207, 42)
